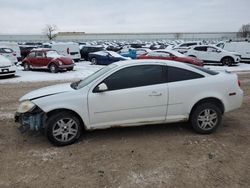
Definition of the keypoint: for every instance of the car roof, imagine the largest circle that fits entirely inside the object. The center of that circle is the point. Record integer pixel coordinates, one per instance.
(42, 49)
(154, 61)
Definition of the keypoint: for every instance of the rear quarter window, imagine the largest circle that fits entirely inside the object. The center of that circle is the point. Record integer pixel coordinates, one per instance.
(175, 74)
(208, 71)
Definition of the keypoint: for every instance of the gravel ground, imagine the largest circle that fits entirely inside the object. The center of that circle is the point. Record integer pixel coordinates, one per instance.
(149, 156)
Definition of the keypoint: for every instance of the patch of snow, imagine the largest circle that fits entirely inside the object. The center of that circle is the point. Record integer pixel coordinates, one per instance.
(4, 116)
(241, 67)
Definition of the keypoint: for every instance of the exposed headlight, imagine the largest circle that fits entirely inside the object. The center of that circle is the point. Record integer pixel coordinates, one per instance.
(26, 106)
(60, 63)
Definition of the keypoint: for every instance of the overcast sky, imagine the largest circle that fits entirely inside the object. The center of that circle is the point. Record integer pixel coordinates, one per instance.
(102, 16)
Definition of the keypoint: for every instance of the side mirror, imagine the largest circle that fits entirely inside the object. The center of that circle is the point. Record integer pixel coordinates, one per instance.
(101, 88)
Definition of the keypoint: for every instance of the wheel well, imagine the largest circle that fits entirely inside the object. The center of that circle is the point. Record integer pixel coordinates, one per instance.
(52, 62)
(67, 110)
(212, 100)
(227, 57)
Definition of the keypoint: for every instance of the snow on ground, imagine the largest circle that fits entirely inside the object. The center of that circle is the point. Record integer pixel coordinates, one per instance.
(84, 69)
(81, 70)
(242, 67)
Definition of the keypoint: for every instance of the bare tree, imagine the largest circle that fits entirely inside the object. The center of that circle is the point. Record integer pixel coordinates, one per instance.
(244, 31)
(50, 31)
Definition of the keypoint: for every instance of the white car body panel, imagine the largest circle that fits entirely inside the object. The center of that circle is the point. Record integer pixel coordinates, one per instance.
(212, 56)
(9, 56)
(68, 49)
(160, 103)
(148, 103)
(14, 46)
(6, 67)
(241, 47)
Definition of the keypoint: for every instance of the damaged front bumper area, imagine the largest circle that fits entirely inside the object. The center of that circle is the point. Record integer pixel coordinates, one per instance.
(33, 120)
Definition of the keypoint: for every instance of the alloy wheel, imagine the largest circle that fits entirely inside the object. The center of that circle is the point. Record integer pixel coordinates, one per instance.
(65, 130)
(207, 119)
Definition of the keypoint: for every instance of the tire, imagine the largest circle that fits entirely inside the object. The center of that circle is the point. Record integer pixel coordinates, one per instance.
(227, 61)
(63, 129)
(206, 118)
(70, 69)
(53, 68)
(93, 61)
(26, 66)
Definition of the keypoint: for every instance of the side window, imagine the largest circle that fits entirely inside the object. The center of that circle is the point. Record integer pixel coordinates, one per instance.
(211, 49)
(201, 48)
(178, 74)
(32, 54)
(183, 45)
(136, 76)
(191, 44)
(39, 54)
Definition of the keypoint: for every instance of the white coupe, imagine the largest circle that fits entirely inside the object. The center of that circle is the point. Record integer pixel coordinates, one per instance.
(131, 93)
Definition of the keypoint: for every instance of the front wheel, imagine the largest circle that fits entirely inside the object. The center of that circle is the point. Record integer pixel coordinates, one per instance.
(206, 118)
(26, 66)
(63, 129)
(93, 61)
(227, 61)
(53, 68)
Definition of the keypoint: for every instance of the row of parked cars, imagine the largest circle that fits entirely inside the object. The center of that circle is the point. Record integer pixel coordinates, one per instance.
(61, 56)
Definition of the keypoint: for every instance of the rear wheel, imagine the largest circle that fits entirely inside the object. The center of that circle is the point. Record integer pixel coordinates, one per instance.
(26, 66)
(206, 118)
(227, 61)
(63, 129)
(93, 61)
(53, 68)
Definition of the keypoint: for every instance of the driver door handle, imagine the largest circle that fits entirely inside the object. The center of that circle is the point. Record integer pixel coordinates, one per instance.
(155, 94)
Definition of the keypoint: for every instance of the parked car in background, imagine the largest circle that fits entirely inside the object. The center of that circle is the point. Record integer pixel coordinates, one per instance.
(128, 52)
(140, 51)
(213, 54)
(14, 46)
(171, 55)
(132, 93)
(25, 50)
(85, 50)
(105, 57)
(7, 68)
(240, 47)
(184, 46)
(48, 59)
(8, 53)
(67, 49)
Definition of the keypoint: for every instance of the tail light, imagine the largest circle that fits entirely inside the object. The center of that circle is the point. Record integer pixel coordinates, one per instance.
(68, 50)
(239, 83)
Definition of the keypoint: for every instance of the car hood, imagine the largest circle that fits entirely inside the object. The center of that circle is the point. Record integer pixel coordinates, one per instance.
(65, 60)
(235, 53)
(47, 91)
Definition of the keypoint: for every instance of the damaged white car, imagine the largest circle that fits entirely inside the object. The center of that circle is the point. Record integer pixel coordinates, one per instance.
(131, 93)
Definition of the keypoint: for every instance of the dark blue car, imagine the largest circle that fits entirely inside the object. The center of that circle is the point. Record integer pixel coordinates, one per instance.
(105, 57)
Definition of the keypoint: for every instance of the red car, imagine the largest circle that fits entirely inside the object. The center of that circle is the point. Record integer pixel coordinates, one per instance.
(171, 55)
(49, 59)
